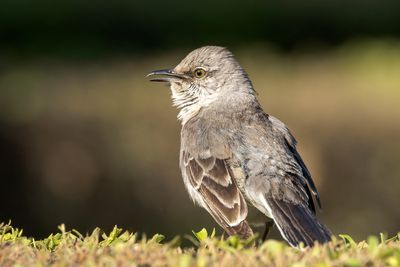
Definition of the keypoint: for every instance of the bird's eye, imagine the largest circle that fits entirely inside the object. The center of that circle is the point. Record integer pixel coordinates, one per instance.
(199, 73)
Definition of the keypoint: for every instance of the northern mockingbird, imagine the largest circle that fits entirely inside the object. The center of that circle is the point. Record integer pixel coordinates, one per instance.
(234, 155)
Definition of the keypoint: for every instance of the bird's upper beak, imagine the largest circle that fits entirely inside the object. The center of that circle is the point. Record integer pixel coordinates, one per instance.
(169, 75)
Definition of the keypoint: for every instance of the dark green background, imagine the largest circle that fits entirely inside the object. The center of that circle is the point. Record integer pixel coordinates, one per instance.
(89, 28)
(86, 140)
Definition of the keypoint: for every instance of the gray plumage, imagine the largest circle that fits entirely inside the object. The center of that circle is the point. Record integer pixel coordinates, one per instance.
(233, 154)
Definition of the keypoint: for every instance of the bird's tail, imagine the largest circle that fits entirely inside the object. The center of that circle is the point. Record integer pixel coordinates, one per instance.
(297, 223)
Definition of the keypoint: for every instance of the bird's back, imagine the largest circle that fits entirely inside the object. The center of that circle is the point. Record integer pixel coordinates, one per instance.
(261, 155)
(274, 178)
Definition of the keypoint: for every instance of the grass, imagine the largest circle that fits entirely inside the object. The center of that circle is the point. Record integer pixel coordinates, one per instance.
(122, 248)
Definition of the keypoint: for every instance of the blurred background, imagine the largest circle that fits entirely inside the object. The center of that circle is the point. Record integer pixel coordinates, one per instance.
(87, 141)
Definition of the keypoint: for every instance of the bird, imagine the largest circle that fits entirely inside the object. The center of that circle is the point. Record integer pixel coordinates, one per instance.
(234, 156)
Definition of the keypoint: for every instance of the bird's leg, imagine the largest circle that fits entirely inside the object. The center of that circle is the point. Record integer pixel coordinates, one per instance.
(268, 226)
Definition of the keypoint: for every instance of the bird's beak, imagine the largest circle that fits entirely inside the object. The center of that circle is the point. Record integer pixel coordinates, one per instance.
(169, 75)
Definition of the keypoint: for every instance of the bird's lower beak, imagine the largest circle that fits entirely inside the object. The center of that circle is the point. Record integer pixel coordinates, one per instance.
(169, 75)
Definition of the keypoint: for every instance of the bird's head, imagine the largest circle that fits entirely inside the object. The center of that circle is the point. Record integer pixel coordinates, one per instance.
(205, 75)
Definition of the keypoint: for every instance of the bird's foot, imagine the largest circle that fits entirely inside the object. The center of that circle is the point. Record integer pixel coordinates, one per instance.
(268, 226)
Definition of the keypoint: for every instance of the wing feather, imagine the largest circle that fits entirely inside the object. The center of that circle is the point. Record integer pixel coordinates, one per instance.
(291, 145)
(213, 180)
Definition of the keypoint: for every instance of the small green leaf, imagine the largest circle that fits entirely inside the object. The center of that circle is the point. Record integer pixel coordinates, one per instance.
(80, 236)
(61, 227)
(115, 233)
(112, 237)
(201, 235)
(234, 241)
(348, 240)
(212, 233)
(157, 238)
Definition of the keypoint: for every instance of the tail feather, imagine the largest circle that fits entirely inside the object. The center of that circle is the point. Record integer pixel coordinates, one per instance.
(298, 223)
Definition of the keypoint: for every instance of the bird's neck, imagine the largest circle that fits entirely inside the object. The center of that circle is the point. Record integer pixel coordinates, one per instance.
(224, 106)
(188, 112)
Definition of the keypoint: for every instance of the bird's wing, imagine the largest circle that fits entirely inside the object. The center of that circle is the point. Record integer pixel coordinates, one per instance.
(282, 188)
(213, 181)
(291, 142)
